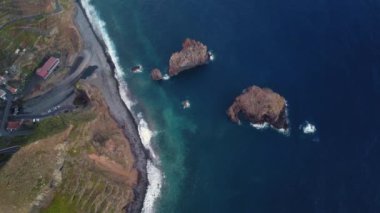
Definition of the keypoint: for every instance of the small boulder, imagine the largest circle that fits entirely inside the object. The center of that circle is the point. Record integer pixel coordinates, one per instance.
(156, 74)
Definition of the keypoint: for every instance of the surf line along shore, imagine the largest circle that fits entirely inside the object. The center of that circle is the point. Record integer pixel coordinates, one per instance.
(111, 89)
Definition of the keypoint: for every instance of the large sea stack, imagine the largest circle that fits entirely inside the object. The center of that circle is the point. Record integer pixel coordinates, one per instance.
(193, 54)
(259, 106)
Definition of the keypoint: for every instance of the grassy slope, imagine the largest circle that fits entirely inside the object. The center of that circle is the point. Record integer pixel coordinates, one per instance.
(87, 185)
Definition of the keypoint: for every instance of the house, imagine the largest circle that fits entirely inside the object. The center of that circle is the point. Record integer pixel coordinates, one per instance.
(3, 80)
(12, 89)
(50, 65)
(14, 125)
(3, 94)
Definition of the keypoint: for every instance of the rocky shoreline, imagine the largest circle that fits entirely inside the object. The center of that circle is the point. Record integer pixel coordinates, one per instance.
(105, 79)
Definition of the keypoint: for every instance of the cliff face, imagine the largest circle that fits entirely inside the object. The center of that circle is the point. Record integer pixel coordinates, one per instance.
(260, 105)
(193, 54)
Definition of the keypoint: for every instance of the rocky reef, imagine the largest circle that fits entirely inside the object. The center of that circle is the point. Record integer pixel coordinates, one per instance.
(193, 54)
(260, 106)
(156, 74)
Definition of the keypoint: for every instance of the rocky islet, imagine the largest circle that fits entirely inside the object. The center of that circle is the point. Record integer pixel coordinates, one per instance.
(193, 54)
(260, 106)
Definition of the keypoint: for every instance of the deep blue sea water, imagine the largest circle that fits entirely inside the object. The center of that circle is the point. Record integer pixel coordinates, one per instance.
(322, 55)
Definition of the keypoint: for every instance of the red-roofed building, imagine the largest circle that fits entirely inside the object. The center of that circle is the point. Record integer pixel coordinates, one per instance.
(12, 89)
(14, 125)
(48, 67)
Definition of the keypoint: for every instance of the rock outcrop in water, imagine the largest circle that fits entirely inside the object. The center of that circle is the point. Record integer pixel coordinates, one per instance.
(259, 106)
(193, 54)
(156, 74)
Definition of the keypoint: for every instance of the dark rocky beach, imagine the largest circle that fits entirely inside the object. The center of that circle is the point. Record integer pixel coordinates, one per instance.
(105, 79)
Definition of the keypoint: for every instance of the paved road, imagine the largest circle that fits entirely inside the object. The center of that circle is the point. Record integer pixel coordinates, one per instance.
(8, 106)
(52, 103)
(16, 133)
(10, 150)
(57, 95)
(43, 115)
(63, 91)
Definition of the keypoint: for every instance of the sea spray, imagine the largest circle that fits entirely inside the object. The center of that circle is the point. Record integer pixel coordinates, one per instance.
(260, 126)
(154, 174)
(154, 187)
(100, 28)
(308, 128)
(145, 134)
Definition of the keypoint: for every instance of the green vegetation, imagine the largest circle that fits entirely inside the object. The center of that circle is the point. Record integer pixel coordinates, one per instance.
(61, 204)
(79, 139)
(20, 35)
(69, 202)
(32, 30)
(51, 126)
(54, 125)
(48, 127)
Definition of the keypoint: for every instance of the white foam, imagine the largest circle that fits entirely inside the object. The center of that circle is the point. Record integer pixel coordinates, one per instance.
(100, 28)
(260, 126)
(139, 70)
(154, 187)
(186, 104)
(211, 55)
(283, 131)
(146, 134)
(166, 77)
(308, 128)
(265, 125)
(154, 174)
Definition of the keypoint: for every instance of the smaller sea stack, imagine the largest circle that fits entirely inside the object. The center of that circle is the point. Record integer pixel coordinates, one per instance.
(193, 54)
(156, 74)
(259, 106)
(136, 69)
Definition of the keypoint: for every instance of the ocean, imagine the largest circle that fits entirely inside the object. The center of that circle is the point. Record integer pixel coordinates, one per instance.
(323, 56)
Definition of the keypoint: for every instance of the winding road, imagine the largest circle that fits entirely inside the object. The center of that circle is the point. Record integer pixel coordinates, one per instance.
(57, 96)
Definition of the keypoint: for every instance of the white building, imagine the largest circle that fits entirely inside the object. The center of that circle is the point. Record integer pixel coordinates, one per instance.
(3, 94)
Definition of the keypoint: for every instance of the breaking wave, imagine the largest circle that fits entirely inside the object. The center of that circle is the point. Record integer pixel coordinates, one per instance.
(153, 172)
(211, 55)
(100, 28)
(308, 128)
(166, 77)
(265, 125)
(154, 187)
(260, 126)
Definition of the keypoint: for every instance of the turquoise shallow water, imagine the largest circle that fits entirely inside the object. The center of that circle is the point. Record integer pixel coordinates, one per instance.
(323, 56)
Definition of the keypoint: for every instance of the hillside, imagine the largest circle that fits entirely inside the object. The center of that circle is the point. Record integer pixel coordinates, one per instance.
(86, 167)
(32, 30)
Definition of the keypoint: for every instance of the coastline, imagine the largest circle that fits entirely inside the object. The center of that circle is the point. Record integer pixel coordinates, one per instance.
(106, 80)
